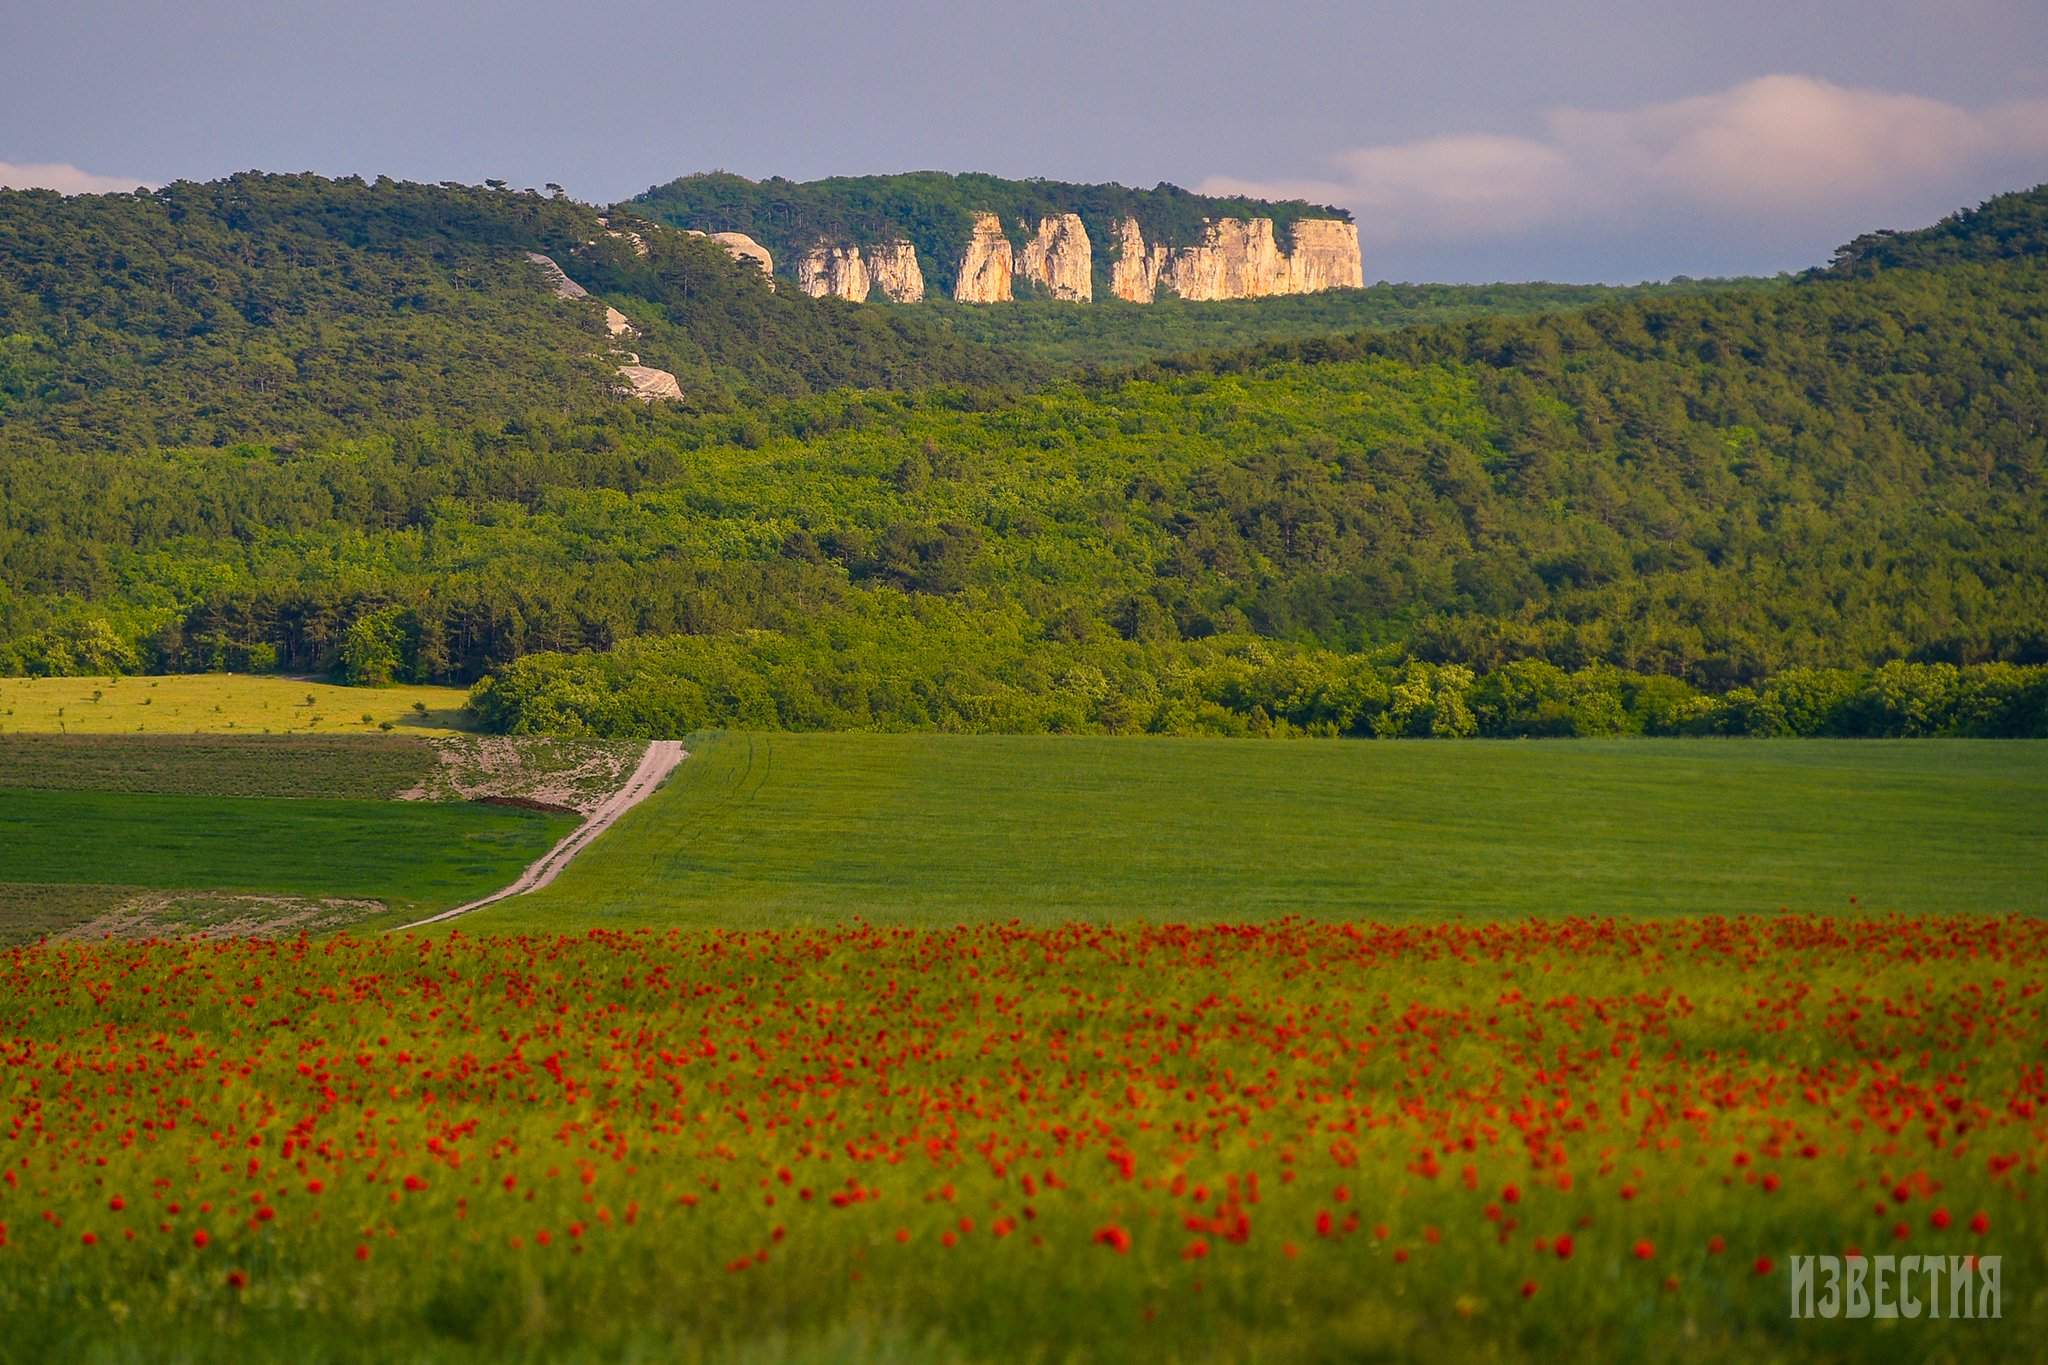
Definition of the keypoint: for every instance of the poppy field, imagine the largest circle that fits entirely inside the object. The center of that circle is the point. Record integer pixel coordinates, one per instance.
(1595, 1138)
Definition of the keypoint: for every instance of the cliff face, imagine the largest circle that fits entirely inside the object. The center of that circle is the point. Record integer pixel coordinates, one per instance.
(847, 272)
(1238, 258)
(835, 270)
(1134, 274)
(893, 267)
(985, 264)
(1059, 259)
(1325, 256)
(1230, 258)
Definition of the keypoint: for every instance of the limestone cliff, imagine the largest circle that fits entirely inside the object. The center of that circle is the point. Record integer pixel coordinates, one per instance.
(985, 264)
(1239, 258)
(835, 270)
(1059, 260)
(1324, 256)
(893, 268)
(1134, 270)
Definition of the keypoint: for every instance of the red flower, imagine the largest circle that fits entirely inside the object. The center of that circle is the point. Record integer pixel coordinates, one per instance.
(237, 1280)
(1763, 1265)
(200, 1239)
(1564, 1247)
(1939, 1218)
(1645, 1250)
(1981, 1224)
(1528, 1289)
(1716, 1245)
(1114, 1238)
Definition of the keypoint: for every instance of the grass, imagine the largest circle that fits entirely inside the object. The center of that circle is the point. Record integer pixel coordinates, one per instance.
(758, 830)
(206, 703)
(363, 766)
(408, 855)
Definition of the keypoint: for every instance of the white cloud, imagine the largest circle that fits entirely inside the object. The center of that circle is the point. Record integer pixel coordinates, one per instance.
(61, 178)
(1783, 148)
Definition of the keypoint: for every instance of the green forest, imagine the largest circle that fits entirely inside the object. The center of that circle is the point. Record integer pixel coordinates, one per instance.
(1808, 506)
(300, 311)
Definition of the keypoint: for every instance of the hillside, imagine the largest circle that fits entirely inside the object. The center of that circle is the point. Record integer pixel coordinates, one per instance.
(981, 238)
(2008, 227)
(300, 309)
(1732, 509)
(1713, 488)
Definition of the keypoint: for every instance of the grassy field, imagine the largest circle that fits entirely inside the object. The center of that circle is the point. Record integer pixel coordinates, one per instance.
(762, 830)
(203, 703)
(1295, 1143)
(369, 767)
(406, 855)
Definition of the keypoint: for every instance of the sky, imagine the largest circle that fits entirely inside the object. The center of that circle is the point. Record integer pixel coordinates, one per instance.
(1585, 140)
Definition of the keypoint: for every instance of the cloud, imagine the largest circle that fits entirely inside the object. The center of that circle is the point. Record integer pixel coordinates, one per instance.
(1785, 149)
(61, 178)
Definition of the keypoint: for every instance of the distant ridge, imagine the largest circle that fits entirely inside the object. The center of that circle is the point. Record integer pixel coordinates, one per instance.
(985, 239)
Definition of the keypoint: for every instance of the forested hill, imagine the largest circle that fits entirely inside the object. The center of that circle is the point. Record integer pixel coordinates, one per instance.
(296, 309)
(2008, 227)
(935, 210)
(1807, 506)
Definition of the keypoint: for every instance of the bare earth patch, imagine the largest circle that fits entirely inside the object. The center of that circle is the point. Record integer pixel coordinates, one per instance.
(220, 914)
(561, 774)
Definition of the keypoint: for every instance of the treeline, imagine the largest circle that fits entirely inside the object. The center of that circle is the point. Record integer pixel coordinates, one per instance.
(1112, 334)
(949, 675)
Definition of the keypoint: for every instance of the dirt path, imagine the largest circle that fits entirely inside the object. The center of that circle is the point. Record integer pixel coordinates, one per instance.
(657, 763)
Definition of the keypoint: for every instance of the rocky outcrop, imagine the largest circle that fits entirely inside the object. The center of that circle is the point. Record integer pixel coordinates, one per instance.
(1058, 261)
(848, 272)
(650, 385)
(985, 264)
(641, 381)
(1233, 258)
(746, 250)
(893, 268)
(1324, 255)
(838, 271)
(1239, 258)
(741, 248)
(1134, 270)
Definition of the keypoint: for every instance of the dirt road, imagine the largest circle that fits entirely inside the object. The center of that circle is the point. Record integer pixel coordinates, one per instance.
(657, 763)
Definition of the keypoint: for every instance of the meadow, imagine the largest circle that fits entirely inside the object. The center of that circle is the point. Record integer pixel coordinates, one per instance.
(1293, 1142)
(195, 703)
(758, 830)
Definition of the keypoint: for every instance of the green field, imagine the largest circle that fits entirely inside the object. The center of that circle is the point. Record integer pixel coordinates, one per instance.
(760, 830)
(407, 855)
(205, 703)
(365, 766)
